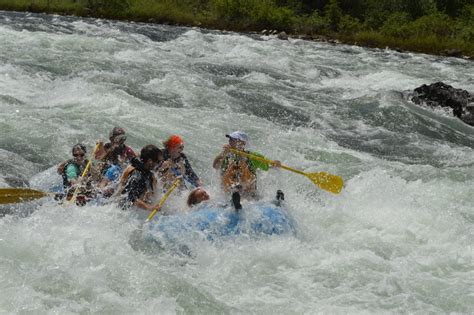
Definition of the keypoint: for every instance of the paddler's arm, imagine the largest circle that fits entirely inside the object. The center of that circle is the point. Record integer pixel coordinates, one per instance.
(256, 164)
(190, 174)
(104, 150)
(144, 205)
(136, 194)
(101, 151)
(220, 158)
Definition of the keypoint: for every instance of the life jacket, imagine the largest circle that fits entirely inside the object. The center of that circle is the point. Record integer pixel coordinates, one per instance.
(68, 191)
(237, 171)
(180, 166)
(63, 167)
(122, 157)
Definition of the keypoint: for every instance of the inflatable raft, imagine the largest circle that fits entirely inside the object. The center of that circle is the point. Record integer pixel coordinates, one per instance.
(211, 222)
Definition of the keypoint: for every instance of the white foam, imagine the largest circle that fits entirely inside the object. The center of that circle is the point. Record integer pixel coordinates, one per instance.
(397, 239)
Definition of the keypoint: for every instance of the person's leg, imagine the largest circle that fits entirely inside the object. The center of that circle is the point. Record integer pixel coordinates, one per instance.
(236, 200)
(280, 196)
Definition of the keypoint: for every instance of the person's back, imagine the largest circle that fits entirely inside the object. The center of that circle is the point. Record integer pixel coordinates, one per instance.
(138, 183)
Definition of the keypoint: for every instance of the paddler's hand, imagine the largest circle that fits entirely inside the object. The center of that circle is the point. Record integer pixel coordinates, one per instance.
(275, 163)
(155, 207)
(165, 166)
(99, 154)
(220, 158)
(226, 149)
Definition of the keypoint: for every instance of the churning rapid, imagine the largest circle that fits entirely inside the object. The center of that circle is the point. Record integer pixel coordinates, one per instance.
(397, 239)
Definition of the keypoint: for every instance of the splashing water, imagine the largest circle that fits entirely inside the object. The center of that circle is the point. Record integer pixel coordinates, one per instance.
(397, 239)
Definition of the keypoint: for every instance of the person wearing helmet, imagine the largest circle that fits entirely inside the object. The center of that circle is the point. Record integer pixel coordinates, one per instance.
(177, 163)
(239, 173)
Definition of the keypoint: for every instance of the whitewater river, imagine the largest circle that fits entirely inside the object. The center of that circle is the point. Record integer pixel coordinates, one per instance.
(397, 239)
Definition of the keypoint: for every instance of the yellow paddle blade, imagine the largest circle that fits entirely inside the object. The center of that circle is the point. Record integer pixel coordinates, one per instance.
(16, 195)
(326, 181)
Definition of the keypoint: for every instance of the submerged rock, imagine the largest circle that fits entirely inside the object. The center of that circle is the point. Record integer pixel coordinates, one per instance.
(440, 94)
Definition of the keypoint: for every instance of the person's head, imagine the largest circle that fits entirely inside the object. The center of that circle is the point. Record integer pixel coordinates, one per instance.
(117, 134)
(78, 152)
(174, 145)
(238, 139)
(196, 196)
(151, 156)
(119, 143)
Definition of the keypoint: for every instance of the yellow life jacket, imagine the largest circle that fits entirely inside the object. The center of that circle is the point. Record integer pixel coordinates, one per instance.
(237, 172)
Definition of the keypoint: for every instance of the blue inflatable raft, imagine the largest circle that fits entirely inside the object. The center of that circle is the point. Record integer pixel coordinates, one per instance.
(211, 222)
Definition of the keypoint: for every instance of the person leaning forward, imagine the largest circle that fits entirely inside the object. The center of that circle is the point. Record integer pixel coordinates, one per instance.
(115, 152)
(239, 173)
(138, 183)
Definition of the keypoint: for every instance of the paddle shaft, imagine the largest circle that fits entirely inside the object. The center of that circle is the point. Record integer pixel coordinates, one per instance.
(326, 181)
(261, 159)
(84, 173)
(162, 201)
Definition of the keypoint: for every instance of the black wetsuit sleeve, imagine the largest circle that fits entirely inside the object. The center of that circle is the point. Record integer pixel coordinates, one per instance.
(190, 175)
(135, 187)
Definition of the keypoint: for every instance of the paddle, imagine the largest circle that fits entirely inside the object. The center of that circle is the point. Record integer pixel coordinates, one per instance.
(162, 201)
(326, 181)
(16, 195)
(84, 173)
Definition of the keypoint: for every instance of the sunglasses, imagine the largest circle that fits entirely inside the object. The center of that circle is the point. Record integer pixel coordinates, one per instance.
(77, 155)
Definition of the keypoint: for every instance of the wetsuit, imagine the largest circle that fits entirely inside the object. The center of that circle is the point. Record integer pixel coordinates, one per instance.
(139, 182)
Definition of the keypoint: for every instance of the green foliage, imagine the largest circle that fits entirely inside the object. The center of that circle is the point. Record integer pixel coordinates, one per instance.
(349, 25)
(162, 11)
(253, 14)
(316, 23)
(280, 18)
(419, 25)
(117, 7)
(465, 25)
(452, 7)
(376, 12)
(435, 24)
(333, 14)
(467, 15)
(397, 25)
(310, 24)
